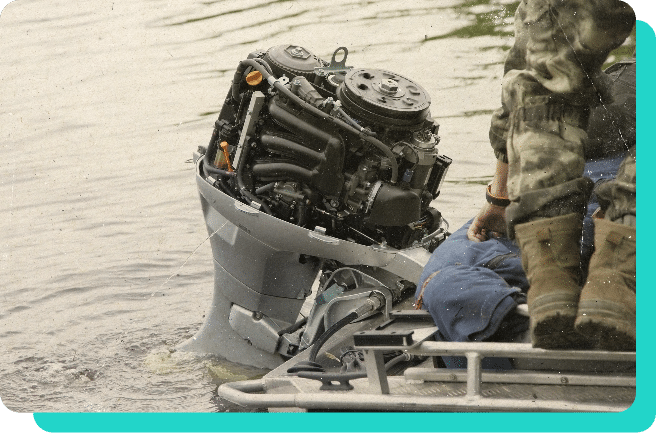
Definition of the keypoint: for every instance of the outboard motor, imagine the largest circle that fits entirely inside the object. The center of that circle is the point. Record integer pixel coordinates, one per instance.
(317, 174)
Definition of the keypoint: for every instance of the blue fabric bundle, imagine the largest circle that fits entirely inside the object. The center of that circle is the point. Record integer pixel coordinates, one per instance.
(473, 287)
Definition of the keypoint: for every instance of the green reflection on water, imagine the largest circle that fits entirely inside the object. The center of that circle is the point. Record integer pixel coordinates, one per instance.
(495, 22)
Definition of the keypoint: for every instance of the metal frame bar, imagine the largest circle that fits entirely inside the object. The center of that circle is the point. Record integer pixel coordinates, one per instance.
(253, 393)
(374, 363)
(520, 377)
(475, 352)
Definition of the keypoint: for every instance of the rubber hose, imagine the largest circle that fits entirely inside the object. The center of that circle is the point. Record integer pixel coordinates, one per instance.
(295, 327)
(211, 169)
(211, 148)
(266, 188)
(354, 123)
(242, 186)
(397, 359)
(329, 333)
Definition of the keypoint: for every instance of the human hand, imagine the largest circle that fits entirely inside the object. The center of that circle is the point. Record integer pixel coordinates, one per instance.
(489, 222)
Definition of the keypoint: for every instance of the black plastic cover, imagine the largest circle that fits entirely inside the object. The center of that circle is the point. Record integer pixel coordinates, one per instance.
(394, 206)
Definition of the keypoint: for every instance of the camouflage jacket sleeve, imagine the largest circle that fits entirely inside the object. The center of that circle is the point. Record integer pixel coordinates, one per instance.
(516, 59)
(499, 133)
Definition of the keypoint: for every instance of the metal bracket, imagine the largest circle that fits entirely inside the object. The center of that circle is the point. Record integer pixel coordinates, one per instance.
(334, 65)
(256, 103)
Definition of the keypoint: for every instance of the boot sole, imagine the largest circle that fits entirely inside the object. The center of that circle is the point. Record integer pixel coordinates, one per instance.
(552, 322)
(610, 325)
(557, 332)
(607, 338)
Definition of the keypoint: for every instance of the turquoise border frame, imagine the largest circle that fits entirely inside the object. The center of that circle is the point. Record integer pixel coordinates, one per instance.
(639, 417)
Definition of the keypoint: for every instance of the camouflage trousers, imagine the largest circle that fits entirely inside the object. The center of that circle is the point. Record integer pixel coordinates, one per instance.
(551, 81)
(618, 196)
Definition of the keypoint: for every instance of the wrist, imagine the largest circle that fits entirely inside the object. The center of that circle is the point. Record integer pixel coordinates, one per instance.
(495, 200)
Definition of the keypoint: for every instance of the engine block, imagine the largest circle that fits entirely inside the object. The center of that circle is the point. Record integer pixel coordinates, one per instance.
(348, 152)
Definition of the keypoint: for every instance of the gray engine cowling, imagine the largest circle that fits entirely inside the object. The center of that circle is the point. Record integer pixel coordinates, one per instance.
(316, 174)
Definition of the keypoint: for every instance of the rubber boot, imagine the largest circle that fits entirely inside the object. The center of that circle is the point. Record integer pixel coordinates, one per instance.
(552, 261)
(607, 307)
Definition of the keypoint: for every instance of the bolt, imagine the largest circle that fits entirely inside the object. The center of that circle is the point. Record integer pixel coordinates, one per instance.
(389, 85)
(297, 52)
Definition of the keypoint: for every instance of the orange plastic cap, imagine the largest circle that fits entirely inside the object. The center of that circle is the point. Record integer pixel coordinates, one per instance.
(254, 78)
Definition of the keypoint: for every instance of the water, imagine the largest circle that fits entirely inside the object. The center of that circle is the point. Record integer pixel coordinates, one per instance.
(104, 268)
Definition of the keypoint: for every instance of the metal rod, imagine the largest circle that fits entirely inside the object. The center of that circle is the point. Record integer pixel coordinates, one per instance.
(375, 365)
(520, 377)
(474, 371)
(517, 350)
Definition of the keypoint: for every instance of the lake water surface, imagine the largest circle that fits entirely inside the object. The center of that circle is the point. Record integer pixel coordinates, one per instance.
(104, 266)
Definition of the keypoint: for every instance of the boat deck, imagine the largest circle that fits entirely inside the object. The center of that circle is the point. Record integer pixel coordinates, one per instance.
(543, 380)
